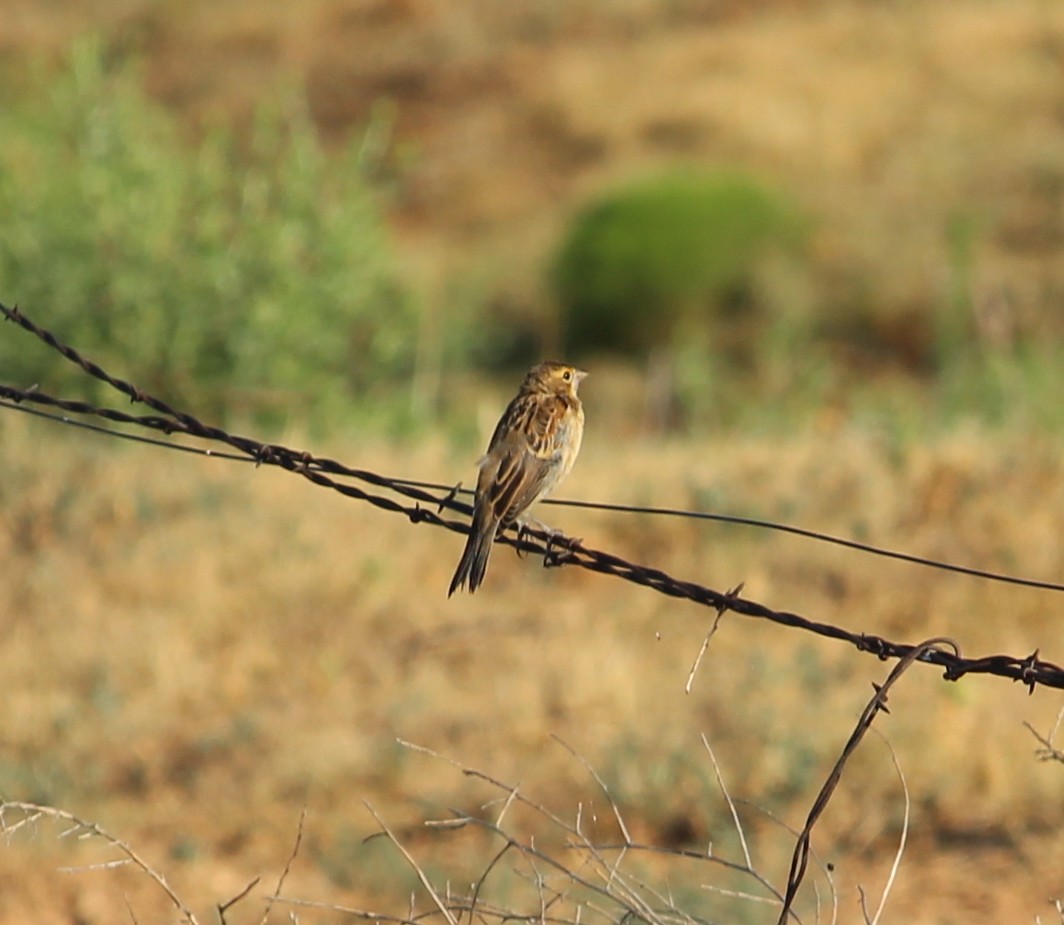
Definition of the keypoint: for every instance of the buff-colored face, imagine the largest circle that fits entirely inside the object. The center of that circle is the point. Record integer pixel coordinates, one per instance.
(556, 377)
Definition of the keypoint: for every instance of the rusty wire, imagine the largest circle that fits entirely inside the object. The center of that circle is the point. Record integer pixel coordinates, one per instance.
(429, 507)
(876, 705)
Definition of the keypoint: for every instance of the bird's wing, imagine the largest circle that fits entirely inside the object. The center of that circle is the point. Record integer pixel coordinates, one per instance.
(520, 479)
(522, 457)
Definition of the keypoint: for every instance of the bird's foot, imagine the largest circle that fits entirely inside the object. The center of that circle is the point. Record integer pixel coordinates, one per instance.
(559, 548)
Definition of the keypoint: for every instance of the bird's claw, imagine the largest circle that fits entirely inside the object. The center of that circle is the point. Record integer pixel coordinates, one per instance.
(553, 557)
(522, 532)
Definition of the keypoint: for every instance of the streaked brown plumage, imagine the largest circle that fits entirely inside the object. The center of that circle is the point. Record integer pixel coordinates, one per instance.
(533, 448)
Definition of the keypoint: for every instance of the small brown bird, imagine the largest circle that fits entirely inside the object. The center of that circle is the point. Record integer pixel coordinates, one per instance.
(533, 448)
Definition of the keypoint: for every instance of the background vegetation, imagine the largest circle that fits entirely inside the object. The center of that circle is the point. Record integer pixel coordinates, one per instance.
(238, 249)
(244, 275)
(358, 222)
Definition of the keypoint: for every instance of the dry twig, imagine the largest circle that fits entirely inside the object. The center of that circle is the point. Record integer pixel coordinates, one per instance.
(34, 812)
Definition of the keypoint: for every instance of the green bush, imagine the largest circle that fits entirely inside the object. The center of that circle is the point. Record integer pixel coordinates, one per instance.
(650, 263)
(231, 275)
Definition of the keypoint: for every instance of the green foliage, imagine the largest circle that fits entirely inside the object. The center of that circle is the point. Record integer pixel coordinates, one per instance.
(652, 262)
(952, 317)
(252, 278)
(1019, 387)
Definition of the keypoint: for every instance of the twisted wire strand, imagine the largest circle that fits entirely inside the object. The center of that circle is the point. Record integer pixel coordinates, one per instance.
(555, 551)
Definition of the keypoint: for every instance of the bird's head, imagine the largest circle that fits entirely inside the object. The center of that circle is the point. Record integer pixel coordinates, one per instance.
(559, 378)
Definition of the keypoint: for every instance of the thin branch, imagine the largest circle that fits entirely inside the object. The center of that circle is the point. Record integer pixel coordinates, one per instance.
(598, 780)
(731, 804)
(35, 811)
(1048, 751)
(425, 882)
(287, 866)
(902, 839)
(223, 908)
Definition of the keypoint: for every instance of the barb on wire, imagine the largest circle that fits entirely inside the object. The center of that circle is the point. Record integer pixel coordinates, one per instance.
(249, 446)
(429, 507)
(453, 492)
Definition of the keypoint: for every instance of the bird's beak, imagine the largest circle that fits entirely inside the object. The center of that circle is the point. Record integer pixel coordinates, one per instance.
(581, 374)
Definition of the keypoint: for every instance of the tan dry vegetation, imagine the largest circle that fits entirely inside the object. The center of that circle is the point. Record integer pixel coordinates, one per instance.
(196, 650)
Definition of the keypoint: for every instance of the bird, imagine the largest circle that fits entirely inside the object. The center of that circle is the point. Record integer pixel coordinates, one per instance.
(532, 449)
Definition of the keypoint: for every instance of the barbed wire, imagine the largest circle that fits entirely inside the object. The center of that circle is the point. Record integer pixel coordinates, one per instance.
(554, 550)
(246, 445)
(820, 536)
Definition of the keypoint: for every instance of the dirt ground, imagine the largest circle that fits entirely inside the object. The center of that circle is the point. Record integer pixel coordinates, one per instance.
(196, 652)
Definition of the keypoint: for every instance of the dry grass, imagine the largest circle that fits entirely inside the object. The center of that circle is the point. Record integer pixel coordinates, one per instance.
(197, 650)
(194, 651)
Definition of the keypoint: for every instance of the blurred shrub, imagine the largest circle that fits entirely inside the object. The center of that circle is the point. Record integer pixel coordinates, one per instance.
(697, 272)
(659, 260)
(251, 277)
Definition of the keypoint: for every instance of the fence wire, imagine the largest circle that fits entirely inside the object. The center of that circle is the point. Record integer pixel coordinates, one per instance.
(428, 507)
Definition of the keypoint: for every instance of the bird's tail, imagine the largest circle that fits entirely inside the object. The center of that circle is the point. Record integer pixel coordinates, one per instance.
(474, 561)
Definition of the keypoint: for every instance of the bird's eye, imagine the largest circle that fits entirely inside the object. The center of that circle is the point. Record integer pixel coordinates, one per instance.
(567, 375)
